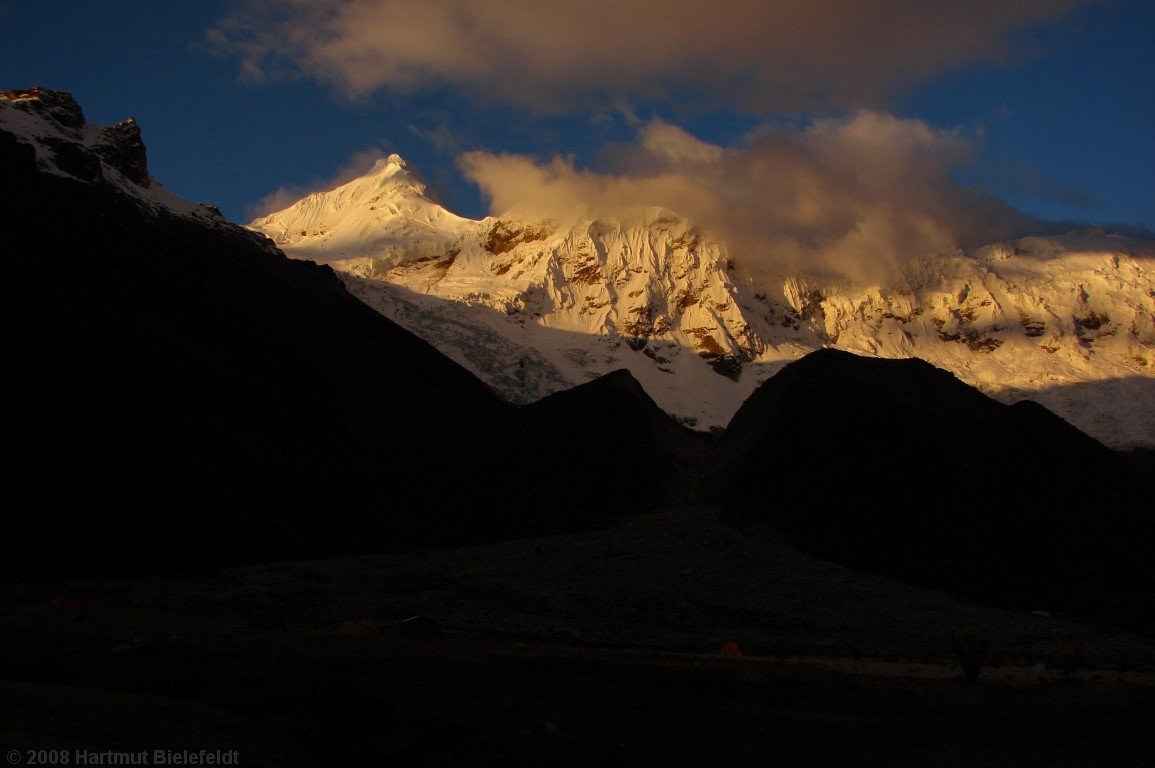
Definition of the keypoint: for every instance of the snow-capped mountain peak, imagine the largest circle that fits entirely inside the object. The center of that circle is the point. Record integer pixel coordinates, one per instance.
(535, 306)
(388, 210)
(393, 175)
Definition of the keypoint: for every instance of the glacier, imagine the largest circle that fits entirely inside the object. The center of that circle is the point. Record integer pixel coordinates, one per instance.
(533, 306)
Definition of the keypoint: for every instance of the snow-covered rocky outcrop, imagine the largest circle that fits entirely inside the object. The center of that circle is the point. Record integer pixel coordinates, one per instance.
(53, 124)
(535, 306)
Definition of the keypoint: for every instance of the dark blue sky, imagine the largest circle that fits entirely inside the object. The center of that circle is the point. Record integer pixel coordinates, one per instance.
(1067, 122)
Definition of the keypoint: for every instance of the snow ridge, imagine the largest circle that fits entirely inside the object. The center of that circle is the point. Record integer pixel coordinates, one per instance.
(385, 215)
(534, 306)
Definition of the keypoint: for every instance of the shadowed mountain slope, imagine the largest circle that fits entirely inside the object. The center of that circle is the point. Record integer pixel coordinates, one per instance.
(896, 467)
(180, 391)
(183, 394)
(615, 439)
(573, 461)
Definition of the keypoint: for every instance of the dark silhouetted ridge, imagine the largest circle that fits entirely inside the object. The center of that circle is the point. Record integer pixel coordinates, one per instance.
(575, 460)
(896, 467)
(181, 393)
(610, 430)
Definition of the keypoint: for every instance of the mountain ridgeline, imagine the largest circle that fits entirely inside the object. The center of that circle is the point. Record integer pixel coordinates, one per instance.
(534, 306)
(897, 467)
(185, 395)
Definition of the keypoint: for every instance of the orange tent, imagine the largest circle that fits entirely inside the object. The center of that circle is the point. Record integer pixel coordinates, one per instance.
(730, 649)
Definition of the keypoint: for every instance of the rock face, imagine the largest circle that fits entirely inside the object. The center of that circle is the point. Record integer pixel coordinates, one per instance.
(57, 140)
(56, 107)
(77, 147)
(535, 306)
(122, 147)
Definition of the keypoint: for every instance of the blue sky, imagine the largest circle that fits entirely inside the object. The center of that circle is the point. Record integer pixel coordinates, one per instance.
(1060, 118)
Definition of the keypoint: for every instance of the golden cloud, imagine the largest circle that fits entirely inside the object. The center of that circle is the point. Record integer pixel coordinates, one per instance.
(557, 56)
(855, 197)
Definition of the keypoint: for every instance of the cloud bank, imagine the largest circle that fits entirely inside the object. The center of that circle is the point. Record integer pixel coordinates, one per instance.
(854, 197)
(758, 54)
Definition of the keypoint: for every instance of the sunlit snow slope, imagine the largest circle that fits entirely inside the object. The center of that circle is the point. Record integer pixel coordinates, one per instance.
(537, 306)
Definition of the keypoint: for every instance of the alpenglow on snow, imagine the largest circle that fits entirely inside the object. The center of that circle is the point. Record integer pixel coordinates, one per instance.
(536, 306)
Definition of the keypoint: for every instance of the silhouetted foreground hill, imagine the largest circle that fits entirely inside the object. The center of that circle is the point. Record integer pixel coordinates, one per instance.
(615, 451)
(180, 391)
(182, 394)
(575, 460)
(896, 467)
